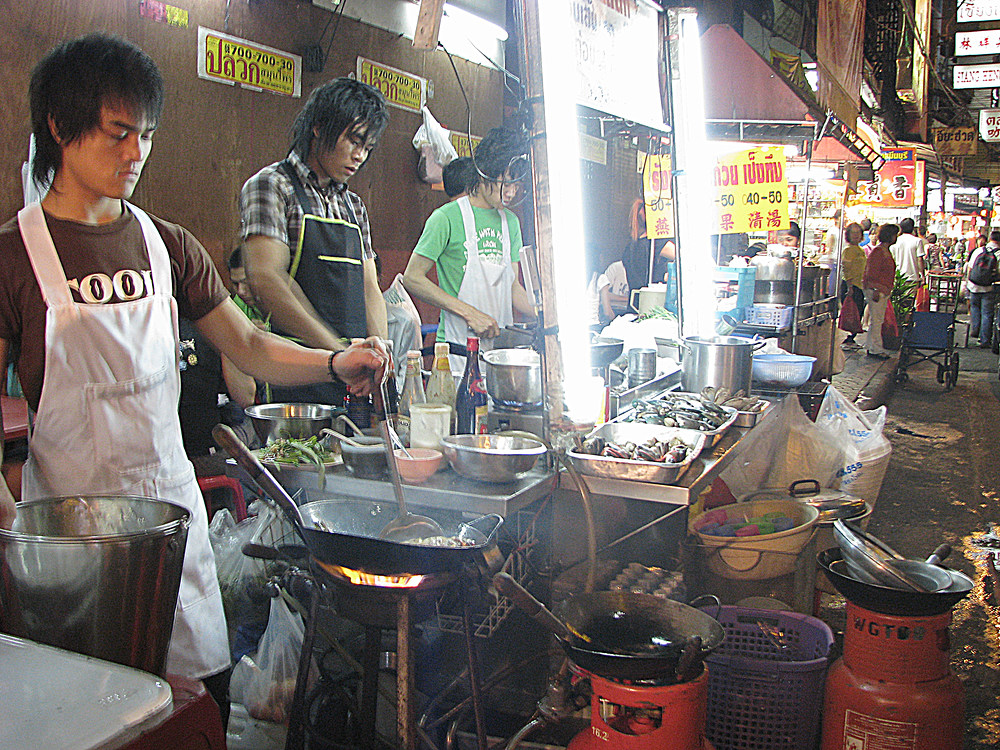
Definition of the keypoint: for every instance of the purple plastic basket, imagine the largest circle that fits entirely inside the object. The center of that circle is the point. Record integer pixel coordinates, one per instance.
(762, 695)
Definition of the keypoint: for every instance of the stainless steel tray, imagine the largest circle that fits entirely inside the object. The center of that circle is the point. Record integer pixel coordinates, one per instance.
(713, 435)
(750, 418)
(638, 471)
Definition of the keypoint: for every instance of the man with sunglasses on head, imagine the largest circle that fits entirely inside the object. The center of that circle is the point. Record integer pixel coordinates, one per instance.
(307, 241)
(475, 244)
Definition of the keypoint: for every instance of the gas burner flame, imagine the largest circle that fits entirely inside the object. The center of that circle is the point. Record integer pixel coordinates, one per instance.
(362, 578)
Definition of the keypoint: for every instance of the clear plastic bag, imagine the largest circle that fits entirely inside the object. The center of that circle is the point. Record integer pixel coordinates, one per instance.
(265, 684)
(784, 447)
(435, 148)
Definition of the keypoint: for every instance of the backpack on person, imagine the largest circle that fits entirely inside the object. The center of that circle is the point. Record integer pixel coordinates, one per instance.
(984, 268)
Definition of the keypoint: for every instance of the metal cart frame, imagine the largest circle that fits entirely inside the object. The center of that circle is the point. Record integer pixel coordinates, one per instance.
(930, 337)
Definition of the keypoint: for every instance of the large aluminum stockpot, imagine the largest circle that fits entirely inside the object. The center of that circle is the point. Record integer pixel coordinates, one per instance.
(718, 361)
(514, 377)
(95, 575)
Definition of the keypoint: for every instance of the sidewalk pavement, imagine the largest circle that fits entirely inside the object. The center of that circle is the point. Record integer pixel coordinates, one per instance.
(867, 381)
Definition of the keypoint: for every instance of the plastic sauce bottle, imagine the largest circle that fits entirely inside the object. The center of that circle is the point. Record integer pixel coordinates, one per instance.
(441, 386)
(471, 401)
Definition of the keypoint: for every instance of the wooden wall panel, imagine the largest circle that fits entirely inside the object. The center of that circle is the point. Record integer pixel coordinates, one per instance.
(213, 137)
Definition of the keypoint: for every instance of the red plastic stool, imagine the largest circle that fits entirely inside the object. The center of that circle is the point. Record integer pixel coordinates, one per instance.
(194, 723)
(223, 482)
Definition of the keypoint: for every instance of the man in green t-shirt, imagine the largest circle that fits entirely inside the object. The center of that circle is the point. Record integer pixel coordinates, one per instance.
(475, 244)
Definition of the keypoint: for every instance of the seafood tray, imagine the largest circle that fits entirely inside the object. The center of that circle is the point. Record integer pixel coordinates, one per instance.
(688, 411)
(750, 418)
(623, 433)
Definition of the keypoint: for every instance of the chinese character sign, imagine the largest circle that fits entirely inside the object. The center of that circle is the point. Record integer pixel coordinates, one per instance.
(657, 173)
(899, 183)
(752, 191)
(977, 43)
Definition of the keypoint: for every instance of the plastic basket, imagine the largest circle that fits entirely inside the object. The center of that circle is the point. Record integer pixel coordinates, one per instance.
(762, 696)
(788, 370)
(772, 316)
(739, 280)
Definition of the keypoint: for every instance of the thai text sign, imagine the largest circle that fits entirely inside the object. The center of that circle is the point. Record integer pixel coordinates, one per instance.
(976, 76)
(989, 125)
(955, 141)
(461, 142)
(400, 89)
(977, 43)
(977, 10)
(231, 60)
(752, 190)
(657, 175)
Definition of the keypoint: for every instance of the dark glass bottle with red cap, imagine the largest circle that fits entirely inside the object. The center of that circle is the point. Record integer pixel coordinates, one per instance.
(471, 401)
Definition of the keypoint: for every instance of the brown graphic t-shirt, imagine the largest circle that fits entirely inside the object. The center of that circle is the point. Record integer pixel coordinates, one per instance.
(104, 264)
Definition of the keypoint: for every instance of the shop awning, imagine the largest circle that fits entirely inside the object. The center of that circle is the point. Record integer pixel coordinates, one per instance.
(747, 99)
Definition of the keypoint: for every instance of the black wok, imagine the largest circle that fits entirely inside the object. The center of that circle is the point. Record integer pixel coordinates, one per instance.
(346, 532)
(891, 601)
(625, 636)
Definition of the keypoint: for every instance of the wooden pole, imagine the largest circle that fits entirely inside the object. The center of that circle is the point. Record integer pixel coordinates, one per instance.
(425, 35)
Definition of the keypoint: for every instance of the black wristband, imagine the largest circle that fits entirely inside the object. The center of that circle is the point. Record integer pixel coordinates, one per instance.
(329, 366)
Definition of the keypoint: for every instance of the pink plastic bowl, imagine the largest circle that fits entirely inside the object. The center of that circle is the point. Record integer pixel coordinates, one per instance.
(420, 465)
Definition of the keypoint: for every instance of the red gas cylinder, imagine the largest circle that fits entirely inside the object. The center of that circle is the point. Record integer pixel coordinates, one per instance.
(893, 686)
(643, 717)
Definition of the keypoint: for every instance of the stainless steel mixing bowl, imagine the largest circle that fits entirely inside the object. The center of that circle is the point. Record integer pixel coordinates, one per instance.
(491, 458)
(298, 421)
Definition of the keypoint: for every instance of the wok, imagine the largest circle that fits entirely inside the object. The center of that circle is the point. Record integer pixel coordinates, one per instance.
(349, 533)
(624, 636)
(892, 601)
(604, 350)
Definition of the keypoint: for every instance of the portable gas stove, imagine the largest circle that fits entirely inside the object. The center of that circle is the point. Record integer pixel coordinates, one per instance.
(380, 602)
(645, 715)
(531, 419)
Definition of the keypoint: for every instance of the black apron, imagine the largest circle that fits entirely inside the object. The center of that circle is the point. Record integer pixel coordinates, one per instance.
(328, 266)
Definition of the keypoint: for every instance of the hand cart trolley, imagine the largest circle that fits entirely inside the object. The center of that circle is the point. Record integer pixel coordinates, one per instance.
(930, 336)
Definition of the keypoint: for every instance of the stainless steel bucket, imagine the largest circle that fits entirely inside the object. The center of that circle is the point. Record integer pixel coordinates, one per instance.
(95, 575)
(514, 378)
(718, 361)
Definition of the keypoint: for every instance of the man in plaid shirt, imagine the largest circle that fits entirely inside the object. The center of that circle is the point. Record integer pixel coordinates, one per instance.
(308, 249)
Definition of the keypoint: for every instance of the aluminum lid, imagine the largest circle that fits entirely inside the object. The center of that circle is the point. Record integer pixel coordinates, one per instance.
(831, 504)
(874, 556)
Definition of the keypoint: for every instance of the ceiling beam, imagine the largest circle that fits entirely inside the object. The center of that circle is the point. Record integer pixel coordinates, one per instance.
(425, 36)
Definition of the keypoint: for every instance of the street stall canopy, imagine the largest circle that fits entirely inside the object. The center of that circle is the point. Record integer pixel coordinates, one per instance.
(748, 99)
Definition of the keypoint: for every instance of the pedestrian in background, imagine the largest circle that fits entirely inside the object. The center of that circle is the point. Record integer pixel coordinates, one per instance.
(878, 280)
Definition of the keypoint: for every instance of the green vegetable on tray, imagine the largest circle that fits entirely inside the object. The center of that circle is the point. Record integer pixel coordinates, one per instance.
(298, 452)
(657, 312)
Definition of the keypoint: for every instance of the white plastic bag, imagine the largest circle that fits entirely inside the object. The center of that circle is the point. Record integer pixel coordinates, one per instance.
(784, 447)
(265, 685)
(867, 451)
(403, 322)
(435, 148)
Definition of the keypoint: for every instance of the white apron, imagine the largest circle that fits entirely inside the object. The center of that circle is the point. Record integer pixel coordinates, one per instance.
(485, 286)
(107, 423)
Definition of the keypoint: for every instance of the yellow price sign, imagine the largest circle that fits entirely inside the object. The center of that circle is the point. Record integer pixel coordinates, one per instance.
(657, 174)
(752, 191)
(229, 59)
(400, 89)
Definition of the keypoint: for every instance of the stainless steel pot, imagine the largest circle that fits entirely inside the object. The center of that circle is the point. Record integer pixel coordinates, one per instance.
(718, 361)
(514, 377)
(774, 279)
(95, 575)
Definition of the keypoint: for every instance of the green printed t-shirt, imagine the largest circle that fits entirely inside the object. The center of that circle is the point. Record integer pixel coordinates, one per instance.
(443, 241)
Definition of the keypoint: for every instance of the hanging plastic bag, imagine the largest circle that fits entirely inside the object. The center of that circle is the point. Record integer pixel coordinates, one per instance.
(922, 302)
(890, 328)
(435, 148)
(265, 684)
(403, 322)
(850, 318)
